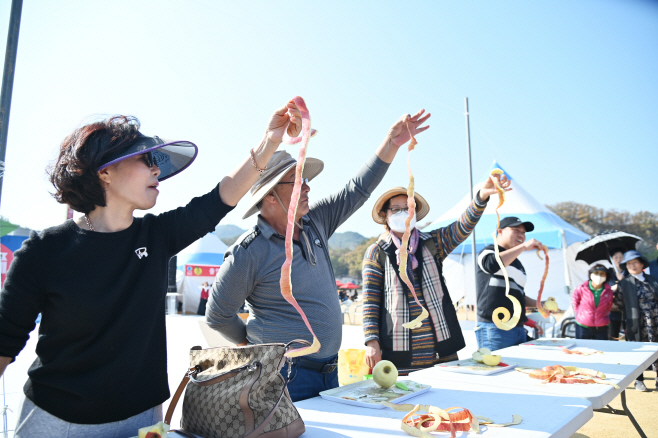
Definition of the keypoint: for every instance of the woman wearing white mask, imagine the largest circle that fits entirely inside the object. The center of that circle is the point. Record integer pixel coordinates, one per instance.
(592, 302)
(387, 301)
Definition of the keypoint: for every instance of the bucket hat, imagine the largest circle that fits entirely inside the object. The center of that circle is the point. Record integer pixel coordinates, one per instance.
(422, 207)
(171, 157)
(280, 163)
(632, 255)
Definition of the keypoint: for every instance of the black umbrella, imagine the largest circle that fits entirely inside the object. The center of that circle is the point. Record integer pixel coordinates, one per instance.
(598, 247)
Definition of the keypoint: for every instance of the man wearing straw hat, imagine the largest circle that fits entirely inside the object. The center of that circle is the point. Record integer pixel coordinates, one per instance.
(252, 266)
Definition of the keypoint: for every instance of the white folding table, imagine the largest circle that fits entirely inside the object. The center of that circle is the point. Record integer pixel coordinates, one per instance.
(324, 418)
(622, 362)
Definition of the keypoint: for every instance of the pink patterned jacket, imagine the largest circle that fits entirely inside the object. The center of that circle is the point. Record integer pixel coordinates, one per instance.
(587, 314)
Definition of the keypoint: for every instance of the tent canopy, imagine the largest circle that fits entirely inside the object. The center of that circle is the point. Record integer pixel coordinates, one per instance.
(6, 227)
(209, 250)
(561, 238)
(550, 229)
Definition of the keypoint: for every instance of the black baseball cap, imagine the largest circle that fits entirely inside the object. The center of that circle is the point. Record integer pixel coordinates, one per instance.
(512, 221)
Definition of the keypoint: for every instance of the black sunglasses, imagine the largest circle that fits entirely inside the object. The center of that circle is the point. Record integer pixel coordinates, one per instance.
(148, 158)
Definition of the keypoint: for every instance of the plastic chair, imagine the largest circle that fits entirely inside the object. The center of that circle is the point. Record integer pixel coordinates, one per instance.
(345, 310)
(355, 309)
(568, 328)
(544, 323)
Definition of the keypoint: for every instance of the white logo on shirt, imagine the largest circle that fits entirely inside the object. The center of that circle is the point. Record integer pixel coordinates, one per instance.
(141, 252)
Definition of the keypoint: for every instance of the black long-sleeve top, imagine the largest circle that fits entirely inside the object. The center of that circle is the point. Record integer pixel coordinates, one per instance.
(101, 353)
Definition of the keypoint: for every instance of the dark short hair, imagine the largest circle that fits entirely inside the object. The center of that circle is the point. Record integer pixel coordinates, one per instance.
(74, 173)
(383, 210)
(599, 268)
(620, 249)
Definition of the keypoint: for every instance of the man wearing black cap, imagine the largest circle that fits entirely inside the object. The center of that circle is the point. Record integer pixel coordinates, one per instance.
(491, 284)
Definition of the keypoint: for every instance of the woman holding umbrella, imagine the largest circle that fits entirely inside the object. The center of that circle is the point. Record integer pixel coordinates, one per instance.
(637, 299)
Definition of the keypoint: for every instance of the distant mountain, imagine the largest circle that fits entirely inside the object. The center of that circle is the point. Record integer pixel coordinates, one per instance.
(347, 240)
(228, 230)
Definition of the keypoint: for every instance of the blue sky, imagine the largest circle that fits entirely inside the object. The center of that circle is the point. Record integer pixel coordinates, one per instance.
(563, 94)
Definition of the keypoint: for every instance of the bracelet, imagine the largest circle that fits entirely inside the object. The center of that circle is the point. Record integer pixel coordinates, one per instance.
(253, 161)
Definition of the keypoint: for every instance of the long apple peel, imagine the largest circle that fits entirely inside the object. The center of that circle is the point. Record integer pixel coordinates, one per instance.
(404, 256)
(543, 311)
(507, 322)
(286, 269)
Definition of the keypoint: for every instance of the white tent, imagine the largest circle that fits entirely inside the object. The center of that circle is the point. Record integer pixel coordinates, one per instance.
(195, 264)
(561, 238)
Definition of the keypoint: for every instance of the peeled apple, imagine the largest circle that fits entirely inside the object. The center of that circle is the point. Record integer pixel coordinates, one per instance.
(385, 374)
(551, 305)
(156, 431)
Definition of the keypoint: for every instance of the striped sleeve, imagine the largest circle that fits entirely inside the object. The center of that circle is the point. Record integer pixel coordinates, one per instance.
(448, 238)
(373, 287)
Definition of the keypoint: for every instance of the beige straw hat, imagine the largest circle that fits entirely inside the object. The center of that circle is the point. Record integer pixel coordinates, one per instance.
(280, 163)
(422, 207)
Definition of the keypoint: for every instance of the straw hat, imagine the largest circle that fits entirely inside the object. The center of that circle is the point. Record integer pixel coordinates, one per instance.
(422, 207)
(278, 166)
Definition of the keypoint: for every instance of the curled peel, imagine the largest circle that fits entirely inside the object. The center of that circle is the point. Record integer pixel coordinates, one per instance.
(507, 322)
(286, 269)
(404, 256)
(543, 311)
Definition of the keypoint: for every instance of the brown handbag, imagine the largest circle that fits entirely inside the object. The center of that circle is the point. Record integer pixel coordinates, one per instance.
(237, 392)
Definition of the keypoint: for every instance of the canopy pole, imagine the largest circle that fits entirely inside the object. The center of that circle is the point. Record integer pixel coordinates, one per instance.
(8, 79)
(470, 182)
(567, 277)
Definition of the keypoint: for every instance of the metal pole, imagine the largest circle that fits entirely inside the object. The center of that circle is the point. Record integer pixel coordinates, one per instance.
(470, 184)
(8, 80)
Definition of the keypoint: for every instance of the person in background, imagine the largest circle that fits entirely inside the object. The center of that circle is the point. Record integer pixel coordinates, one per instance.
(653, 266)
(252, 266)
(203, 300)
(637, 298)
(101, 367)
(591, 303)
(615, 275)
(491, 284)
(388, 302)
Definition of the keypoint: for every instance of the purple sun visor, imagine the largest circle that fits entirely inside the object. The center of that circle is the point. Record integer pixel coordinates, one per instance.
(171, 157)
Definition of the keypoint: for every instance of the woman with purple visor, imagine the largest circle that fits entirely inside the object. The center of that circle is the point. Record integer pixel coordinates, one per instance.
(100, 282)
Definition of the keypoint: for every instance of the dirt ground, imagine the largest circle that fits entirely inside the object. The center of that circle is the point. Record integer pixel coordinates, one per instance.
(643, 406)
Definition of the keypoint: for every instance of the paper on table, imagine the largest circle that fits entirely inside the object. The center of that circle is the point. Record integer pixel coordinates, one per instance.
(368, 394)
(469, 366)
(549, 344)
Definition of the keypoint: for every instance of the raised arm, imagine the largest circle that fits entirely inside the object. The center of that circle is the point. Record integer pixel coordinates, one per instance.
(448, 238)
(236, 184)
(332, 211)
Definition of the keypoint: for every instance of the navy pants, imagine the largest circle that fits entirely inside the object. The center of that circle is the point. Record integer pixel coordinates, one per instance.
(600, 333)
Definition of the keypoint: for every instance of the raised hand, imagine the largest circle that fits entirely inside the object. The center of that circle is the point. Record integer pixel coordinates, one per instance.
(399, 134)
(489, 187)
(287, 118)
(532, 244)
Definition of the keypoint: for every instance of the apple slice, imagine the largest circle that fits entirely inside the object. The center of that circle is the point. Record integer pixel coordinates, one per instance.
(551, 305)
(491, 359)
(385, 374)
(477, 357)
(156, 431)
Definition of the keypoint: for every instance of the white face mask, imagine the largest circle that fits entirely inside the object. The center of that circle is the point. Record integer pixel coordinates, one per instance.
(396, 222)
(597, 279)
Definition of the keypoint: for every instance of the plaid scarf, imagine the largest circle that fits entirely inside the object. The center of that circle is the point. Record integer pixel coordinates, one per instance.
(395, 295)
(411, 249)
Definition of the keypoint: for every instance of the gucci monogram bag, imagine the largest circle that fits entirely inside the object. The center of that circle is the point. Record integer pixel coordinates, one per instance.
(237, 392)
